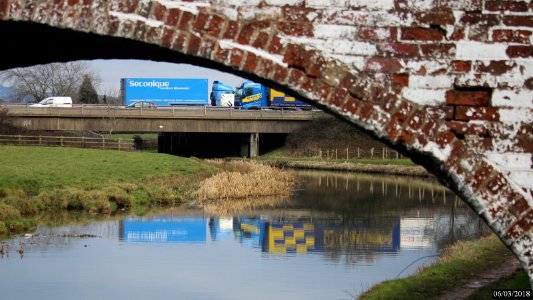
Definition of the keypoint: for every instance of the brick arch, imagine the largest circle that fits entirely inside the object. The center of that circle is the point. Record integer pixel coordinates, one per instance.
(447, 82)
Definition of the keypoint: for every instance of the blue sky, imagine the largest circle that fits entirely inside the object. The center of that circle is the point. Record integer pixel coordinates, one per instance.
(111, 71)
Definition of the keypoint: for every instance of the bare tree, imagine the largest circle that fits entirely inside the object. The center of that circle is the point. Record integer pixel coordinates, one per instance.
(55, 79)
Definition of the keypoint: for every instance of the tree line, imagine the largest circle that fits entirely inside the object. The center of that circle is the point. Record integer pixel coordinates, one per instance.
(74, 79)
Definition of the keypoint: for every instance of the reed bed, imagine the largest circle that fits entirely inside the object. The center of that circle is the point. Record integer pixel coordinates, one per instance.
(244, 180)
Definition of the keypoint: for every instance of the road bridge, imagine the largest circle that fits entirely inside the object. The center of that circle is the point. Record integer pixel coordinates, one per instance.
(182, 130)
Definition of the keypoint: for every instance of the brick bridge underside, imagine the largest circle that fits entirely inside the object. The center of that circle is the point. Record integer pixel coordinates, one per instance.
(447, 82)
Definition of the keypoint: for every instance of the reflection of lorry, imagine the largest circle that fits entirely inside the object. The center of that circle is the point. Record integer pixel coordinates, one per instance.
(251, 95)
(54, 102)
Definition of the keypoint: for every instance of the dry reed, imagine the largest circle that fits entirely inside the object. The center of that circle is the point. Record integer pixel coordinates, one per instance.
(245, 179)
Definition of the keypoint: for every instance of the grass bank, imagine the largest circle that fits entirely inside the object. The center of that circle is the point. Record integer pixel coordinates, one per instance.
(405, 167)
(37, 180)
(455, 267)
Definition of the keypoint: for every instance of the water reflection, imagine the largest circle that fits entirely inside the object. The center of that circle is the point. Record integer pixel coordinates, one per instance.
(338, 235)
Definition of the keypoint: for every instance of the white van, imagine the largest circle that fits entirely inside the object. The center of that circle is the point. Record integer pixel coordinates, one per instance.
(54, 102)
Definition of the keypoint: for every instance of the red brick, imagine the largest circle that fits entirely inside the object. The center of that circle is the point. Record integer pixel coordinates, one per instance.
(438, 50)
(126, 6)
(236, 57)
(496, 67)
(294, 56)
(316, 68)
(158, 11)
(280, 74)
(296, 28)
(265, 67)
(416, 120)
(444, 139)
(200, 23)
(398, 49)
(436, 17)
(502, 5)
(421, 34)
(523, 21)
(245, 35)
(180, 42)
(468, 98)
(399, 81)
(215, 26)
(526, 223)
(232, 27)
(383, 64)
(185, 20)
(511, 36)
(193, 45)
(476, 18)
(518, 205)
(261, 40)
(296, 77)
(465, 128)
(481, 174)
(457, 34)
(461, 66)
(371, 34)
(250, 63)
(275, 46)
(394, 127)
(221, 54)
(173, 17)
(207, 47)
(466, 113)
(520, 51)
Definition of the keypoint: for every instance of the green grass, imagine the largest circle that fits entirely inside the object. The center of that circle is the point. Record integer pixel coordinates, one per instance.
(519, 280)
(36, 168)
(43, 180)
(458, 265)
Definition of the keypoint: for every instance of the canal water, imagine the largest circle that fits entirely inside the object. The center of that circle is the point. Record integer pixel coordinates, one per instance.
(336, 237)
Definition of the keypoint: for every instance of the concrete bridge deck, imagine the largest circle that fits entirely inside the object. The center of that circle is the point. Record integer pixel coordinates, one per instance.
(163, 119)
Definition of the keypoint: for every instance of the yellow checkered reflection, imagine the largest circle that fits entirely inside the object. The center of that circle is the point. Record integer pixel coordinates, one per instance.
(283, 238)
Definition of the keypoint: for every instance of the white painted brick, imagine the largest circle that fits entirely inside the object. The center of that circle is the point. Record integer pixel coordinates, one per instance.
(284, 2)
(366, 18)
(510, 161)
(236, 2)
(430, 82)
(524, 178)
(515, 115)
(373, 5)
(325, 3)
(521, 98)
(507, 80)
(424, 96)
(334, 31)
(477, 50)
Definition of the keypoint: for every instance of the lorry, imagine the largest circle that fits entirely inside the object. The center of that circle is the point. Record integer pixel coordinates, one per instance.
(222, 95)
(251, 95)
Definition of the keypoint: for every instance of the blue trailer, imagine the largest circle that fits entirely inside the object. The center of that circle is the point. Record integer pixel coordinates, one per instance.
(165, 91)
(251, 95)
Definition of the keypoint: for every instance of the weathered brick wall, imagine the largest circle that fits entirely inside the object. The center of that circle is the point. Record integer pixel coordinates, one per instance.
(448, 81)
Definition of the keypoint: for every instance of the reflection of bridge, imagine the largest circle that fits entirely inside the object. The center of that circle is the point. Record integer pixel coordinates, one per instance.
(183, 130)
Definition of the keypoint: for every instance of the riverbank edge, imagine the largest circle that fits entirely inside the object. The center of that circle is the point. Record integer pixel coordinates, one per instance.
(455, 268)
(387, 169)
